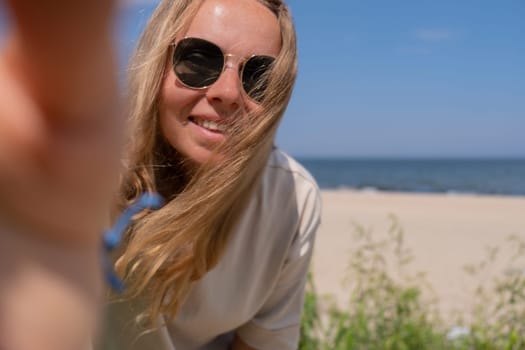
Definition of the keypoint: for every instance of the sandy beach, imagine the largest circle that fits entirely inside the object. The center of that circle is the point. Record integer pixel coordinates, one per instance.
(445, 232)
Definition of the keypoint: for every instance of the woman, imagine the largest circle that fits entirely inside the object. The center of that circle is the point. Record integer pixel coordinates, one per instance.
(223, 264)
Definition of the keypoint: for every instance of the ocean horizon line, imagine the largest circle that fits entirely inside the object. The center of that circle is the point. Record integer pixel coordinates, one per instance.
(439, 175)
(373, 190)
(396, 158)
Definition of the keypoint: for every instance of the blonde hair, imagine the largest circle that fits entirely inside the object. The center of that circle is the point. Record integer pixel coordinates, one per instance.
(167, 250)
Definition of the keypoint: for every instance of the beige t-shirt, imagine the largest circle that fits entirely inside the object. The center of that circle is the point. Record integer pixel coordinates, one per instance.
(257, 288)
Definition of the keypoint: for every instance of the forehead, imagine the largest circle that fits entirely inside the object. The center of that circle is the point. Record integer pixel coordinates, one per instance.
(241, 27)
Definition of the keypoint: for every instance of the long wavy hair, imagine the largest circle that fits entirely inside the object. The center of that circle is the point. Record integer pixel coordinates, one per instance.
(167, 250)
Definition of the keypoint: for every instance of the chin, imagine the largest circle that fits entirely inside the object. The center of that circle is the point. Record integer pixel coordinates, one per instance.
(206, 157)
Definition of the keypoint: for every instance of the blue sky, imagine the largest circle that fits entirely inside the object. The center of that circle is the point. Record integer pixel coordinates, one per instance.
(400, 78)
(409, 78)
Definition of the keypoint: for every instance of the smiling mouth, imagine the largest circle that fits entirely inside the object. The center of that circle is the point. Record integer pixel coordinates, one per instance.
(208, 124)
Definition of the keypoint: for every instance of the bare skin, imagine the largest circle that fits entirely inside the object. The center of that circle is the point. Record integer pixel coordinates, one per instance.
(59, 149)
(238, 344)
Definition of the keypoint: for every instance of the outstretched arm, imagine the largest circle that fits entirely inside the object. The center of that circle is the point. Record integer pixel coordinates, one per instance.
(60, 139)
(59, 132)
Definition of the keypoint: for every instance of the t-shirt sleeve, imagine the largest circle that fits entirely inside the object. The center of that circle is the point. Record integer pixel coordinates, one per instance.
(277, 323)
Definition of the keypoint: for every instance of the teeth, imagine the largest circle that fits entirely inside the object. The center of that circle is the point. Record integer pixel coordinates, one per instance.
(210, 125)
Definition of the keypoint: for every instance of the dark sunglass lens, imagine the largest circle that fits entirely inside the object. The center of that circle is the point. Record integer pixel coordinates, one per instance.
(255, 76)
(197, 62)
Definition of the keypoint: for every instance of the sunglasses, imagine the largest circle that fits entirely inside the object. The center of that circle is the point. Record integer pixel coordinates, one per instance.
(199, 63)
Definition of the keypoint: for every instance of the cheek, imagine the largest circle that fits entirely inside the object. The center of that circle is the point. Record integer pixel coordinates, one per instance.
(168, 93)
(172, 113)
(175, 101)
(251, 106)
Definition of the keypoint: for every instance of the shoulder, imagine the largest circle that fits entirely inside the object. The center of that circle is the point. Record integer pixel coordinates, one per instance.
(280, 161)
(287, 171)
(285, 180)
(285, 205)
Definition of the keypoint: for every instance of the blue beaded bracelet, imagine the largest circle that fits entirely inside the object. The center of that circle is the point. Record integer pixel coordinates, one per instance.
(113, 237)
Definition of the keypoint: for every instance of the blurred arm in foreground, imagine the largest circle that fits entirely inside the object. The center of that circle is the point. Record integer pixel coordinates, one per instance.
(60, 137)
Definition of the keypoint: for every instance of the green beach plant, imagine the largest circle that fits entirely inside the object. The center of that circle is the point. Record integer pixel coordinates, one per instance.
(391, 307)
(498, 316)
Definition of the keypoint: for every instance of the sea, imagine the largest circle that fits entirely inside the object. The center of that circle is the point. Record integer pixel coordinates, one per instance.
(470, 176)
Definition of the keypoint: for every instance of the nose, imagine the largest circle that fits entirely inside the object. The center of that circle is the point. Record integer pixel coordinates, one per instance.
(226, 92)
